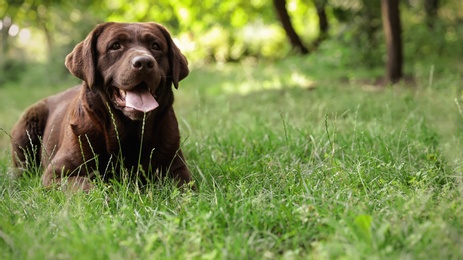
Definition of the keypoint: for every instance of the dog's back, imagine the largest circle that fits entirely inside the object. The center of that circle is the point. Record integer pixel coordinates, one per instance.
(28, 133)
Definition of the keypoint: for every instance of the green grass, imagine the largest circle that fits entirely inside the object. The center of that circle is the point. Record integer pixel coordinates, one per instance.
(296, 159)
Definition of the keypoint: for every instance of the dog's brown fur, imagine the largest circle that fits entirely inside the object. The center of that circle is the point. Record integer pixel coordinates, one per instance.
(87, 129)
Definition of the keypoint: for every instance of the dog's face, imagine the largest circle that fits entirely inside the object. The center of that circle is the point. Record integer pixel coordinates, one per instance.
(131, 62)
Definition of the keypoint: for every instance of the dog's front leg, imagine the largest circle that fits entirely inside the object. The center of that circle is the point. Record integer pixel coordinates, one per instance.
(57, 174)
(179, 171)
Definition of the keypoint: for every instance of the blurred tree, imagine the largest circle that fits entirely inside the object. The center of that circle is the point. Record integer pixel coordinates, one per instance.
(392, 33)
(370, 26)
(232, 30)
(283, 16)
(4, 45)
(4, 37)
(48, 16)
(431, 7)
(360, 27)
(24, 12)
(280, 7)
(323, 23)
(217, 30)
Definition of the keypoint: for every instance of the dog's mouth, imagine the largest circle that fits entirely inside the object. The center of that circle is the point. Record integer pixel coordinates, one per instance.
(138, 98)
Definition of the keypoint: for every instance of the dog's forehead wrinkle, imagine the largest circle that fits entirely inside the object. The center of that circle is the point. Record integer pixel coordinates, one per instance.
(136, 37)
(136, 29)
(118, 34)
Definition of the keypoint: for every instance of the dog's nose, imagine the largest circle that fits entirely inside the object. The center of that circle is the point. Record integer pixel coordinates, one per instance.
(144, 62)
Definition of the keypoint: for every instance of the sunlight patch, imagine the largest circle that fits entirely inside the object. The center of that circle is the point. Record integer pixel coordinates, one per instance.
(295, 80)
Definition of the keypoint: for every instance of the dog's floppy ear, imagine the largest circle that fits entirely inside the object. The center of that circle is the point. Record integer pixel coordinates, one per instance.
(177, 61)
(82, 61)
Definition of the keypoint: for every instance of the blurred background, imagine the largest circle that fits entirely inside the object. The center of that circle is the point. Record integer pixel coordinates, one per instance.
(36, 35)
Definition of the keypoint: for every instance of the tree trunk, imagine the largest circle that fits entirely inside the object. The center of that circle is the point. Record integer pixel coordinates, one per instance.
(392, 31)
(431, 7)
(4, 46)
(282, 13)
(323, 24)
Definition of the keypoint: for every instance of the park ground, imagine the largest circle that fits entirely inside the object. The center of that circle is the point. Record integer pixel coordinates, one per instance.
(301, 158)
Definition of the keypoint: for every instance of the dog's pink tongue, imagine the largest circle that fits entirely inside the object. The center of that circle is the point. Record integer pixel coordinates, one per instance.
(141, 100)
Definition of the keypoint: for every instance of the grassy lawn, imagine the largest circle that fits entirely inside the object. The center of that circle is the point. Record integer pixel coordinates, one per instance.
(296, 159)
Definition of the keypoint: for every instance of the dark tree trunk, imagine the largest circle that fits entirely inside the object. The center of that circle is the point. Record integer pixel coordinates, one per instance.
(431, 7)
(323, 24)
(392, 31)
(282, 13)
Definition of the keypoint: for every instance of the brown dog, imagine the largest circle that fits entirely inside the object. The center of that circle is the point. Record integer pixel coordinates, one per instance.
(121, 117)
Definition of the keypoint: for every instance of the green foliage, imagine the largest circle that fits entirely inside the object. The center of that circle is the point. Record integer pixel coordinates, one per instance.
(231, 30)
(212, 29)
(235, 28)
(363, 31)
(10, 70)
(359, 28)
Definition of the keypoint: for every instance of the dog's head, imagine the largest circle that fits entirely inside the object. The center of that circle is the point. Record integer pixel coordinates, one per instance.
(131, 63)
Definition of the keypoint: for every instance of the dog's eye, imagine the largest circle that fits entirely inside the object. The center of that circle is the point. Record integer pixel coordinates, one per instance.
(115, 46)
(155, 46)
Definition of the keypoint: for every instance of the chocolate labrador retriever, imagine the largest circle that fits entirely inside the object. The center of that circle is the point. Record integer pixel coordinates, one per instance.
(120, 118)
